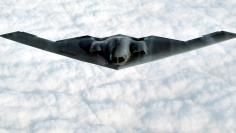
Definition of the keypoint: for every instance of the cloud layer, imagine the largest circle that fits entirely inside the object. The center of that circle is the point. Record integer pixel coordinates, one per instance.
(44, 92)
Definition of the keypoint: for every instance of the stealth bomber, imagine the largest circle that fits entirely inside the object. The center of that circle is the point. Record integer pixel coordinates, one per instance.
(118, 51)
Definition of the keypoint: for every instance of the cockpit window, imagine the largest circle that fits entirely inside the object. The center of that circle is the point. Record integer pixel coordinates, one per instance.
(118, 59)
(121, 59)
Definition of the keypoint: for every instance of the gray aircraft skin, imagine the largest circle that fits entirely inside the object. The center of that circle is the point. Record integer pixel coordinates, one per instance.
(118, 51)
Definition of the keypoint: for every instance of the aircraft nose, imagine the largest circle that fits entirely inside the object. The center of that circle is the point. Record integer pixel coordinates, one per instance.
(121, 52)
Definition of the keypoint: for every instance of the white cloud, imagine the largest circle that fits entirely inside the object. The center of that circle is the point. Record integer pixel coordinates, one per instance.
(45, 92)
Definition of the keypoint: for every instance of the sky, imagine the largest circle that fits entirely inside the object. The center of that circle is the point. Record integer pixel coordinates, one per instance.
(44, 92)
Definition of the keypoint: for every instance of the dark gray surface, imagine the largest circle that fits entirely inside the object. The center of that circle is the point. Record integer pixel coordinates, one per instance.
(118, 51)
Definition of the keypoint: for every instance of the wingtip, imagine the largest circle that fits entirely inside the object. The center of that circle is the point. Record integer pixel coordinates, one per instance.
(9, 34)
(6, 35)
(228, 33)
(15, 34)
(225, 35)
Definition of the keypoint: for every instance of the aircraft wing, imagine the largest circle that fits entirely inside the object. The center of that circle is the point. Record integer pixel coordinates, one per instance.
(159, 47)
(65, 47)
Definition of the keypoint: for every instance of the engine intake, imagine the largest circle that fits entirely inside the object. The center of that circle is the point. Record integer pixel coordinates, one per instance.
(138, 48)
